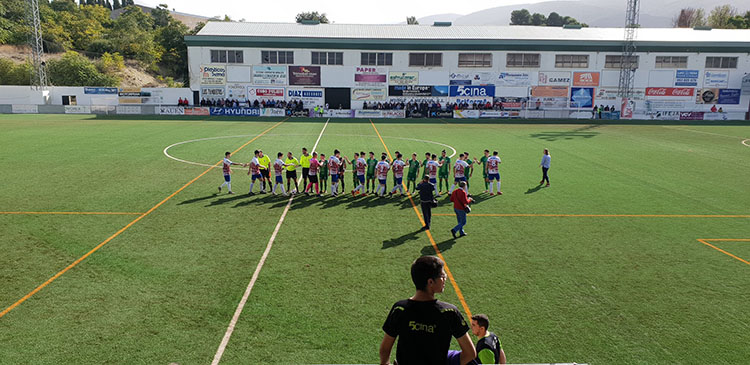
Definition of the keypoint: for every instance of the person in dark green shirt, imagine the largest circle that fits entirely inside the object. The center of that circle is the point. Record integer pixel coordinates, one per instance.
(425, 172)
(323, 173)
(483, 161)
(444, 172)
(411, 178)
(469, 171)
(371, 163)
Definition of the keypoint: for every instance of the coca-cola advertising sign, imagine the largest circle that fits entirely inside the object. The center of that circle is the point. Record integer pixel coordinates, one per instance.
(675, 92)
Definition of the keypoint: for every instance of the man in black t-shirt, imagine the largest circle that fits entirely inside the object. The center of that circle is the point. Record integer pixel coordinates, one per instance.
(423, 324)
(427, 199)
(489, 348)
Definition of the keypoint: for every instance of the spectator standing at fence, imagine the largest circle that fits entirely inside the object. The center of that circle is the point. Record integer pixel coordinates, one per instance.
(424, 325)
(461, 202)
(594, 112)
(546, 160)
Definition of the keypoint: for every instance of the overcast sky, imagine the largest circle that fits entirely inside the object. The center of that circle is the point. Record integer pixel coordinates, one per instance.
(339, 11)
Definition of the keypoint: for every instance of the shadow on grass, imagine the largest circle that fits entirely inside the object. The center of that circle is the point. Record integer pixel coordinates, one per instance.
(411, 236)
(578, 133)
(195, 200)
(228, 199)
(534, 189)
(442, 246)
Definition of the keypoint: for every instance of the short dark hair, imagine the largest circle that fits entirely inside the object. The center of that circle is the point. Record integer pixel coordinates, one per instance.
(279, 154)
(427, 154)
(482, 320)
(494, 153)
(336, 151)
(362, 153)
(382, 157)
(426, 268)
(488, 151)
(304, 148)
(227, 153)
(434, 155)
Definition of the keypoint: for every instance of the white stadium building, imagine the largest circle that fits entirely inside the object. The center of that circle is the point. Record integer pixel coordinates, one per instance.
(546, 72)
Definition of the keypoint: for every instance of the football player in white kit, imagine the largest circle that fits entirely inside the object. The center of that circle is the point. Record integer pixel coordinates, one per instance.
(493, 172)
(459, 172)
(398, 174)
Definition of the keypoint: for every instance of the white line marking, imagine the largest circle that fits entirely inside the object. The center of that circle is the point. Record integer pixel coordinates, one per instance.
(745, 142)
(694, 131)
(241, 305)
(166, 149)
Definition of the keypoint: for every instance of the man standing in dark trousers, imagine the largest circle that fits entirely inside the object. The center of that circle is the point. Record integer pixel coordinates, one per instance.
(427, 198)
(546, 160)
(424, 325)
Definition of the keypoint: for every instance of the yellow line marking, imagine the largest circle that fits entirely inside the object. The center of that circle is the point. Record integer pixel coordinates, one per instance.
(73, 213)
(704, 241)
(606, 215)
(123, 229)
(429, 234)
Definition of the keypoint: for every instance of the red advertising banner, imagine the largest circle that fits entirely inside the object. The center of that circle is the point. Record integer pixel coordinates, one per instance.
(585, 79)
(304, 75)
(670, 91)
(269, 92)
(197, 111)
(549, 91)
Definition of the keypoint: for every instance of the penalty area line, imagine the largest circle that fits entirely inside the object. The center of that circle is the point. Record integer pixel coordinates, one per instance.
(256, 273)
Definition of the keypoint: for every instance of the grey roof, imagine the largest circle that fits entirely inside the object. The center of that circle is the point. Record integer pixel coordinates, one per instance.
(458, 32)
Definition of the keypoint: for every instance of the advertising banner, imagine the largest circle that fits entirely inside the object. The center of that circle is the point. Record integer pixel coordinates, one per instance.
(707, 96)
(370, 76)
(627, 107)
(311, 97)
(212, 92)
(441, 91)
(107, 109)
(513, 79)
(652, 105)
(77, 109)
(213, 74)
(466, 114)
(265, 93)
(472, 91)
(237, 91)
(691, 116)
(409, 90)
(459, 82)
(403, 78)
(585, 79)
(472, 100)
(368, 114)
(547, 78)
(368, 94)
(338, 113)
(548, 102)
(198, 111)
(245, 112)
(394, 113)
(512, 102)
(273, 112)
(746, 85)
(459, 78)
(550, 91)
(686, 78)
(128, 109)
(472, 78)
(304, 75)
(670, 92)
(715, 116)
(581, 97)
(132, 95)
(664, 115)
(269, 75)
(729, 96)
(100, 90)
(170, 110)
(610, 93)
(493, 114)
(24, 109)
(717, 79)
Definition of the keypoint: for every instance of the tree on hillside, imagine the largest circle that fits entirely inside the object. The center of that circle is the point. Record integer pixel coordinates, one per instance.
(312, 15)
(520, 17)
(719, 17)
(412, 20)
(161, 15)
(116, 5)
(555, 20)
(740, 22)
(689, 18)
(538, 19)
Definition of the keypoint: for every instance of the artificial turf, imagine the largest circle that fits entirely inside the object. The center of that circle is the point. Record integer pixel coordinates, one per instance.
(631, 285)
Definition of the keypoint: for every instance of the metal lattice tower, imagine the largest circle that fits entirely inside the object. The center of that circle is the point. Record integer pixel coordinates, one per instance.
(39, 71)
(628, 61)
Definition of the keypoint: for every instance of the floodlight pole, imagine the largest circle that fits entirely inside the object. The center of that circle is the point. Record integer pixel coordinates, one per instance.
(628, 62)
(39, 69)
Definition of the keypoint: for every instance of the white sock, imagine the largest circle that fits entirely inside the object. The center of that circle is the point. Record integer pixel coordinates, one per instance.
(394, 189)
(251, 186)
(361, 188)
(283, 190)
(436, 190)
(452, 187)
(492, 188)
(498, 186)
(401, 188)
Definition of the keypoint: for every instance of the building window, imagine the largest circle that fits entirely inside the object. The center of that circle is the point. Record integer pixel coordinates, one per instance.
(277, 57)
(671, 61)
(425, 59)
(571, 61)
(377, 59)
(616, 61)
(522, 60)
(721, 62)
(475, 60)
(224, 56)
(327, 58)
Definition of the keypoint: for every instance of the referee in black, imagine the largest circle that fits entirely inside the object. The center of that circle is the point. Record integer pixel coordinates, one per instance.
(426, 197)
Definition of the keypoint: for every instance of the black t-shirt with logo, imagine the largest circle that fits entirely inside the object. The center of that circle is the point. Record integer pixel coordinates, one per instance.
(424, 330)
(492, 343)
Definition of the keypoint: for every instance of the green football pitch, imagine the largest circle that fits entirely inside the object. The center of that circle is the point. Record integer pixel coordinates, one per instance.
(113, 252)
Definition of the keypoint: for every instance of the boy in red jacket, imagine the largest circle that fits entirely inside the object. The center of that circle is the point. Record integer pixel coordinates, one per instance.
(460, 202)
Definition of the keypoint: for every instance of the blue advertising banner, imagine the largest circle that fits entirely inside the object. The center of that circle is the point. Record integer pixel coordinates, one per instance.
(472, 91)
(686, 78)
(729, 96)
(581, 97)
(460, 82)
(100, 90)
(440, 90)
(242, 112)
(298, 93)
